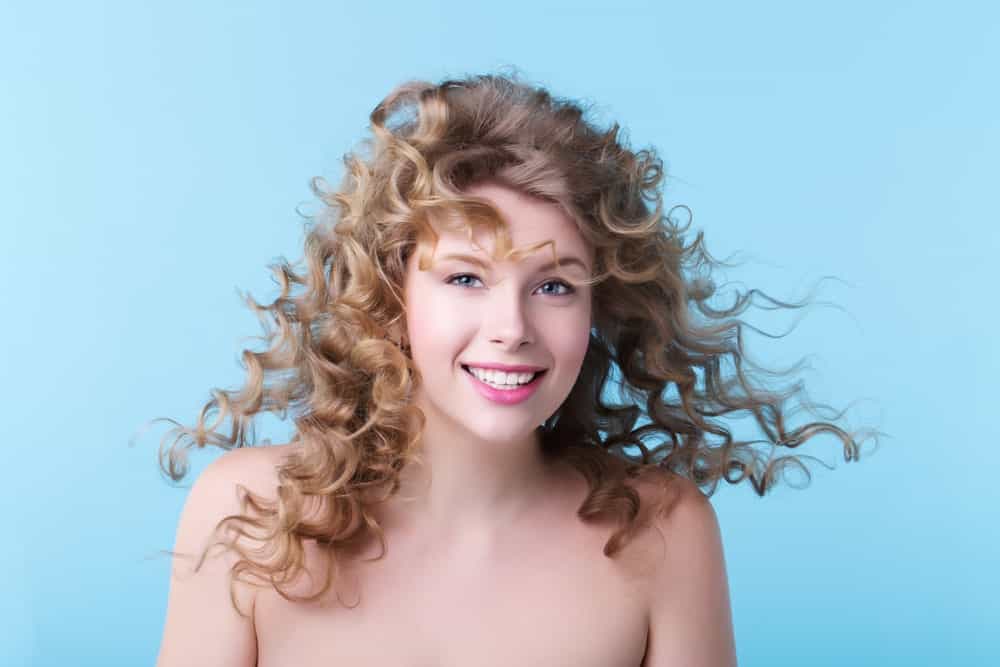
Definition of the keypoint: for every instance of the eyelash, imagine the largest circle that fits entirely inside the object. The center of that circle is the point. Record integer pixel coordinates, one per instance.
(570, 289)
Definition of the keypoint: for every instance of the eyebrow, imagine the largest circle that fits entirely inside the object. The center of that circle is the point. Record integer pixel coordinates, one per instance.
(545, 267)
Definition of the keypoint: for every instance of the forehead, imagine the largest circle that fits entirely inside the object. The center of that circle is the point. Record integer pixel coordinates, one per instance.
(529, 221)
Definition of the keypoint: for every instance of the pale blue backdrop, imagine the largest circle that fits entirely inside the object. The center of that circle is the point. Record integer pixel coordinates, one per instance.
(154, 154)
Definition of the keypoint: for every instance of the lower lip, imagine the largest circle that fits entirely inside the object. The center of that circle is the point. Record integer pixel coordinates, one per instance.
(505, 396)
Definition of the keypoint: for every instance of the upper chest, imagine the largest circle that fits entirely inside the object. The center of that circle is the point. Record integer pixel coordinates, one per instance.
(547, 596)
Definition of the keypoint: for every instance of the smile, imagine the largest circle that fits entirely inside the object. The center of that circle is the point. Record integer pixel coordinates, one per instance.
(505, 396)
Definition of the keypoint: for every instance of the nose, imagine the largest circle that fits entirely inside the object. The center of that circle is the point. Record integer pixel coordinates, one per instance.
(507, 320)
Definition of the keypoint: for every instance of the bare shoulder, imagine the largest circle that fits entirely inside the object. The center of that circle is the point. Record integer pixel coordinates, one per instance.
(671, 502)
(257, 464)
(256, 468)
(217, 490)
(690, 618)
(202, 624)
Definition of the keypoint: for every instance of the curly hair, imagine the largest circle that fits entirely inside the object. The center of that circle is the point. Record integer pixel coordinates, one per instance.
(333, 363)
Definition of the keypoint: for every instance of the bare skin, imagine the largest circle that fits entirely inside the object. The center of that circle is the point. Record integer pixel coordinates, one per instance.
(546, 595)
(489, 564)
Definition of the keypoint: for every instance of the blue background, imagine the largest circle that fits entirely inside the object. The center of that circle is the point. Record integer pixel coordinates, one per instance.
(154, 155)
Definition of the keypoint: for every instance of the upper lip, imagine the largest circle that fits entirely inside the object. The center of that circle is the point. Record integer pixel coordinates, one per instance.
(517, 368)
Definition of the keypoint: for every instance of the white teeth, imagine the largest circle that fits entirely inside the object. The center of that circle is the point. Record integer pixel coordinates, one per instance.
(501, 379)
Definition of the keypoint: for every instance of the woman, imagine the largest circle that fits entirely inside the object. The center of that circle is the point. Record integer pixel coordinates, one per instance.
(459, 489)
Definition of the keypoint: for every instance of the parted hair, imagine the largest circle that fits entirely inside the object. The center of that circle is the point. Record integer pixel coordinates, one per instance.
(335, 358)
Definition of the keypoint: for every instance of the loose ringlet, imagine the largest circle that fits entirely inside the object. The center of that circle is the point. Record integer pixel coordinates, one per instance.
(664, 366)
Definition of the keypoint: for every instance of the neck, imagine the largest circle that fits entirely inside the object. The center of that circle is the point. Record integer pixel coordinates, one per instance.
(470, 490)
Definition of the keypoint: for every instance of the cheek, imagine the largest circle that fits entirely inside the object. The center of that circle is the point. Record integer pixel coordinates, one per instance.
(433, 325)
(571, 343)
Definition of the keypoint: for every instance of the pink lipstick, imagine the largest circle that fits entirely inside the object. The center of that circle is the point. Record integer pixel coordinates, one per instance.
(506, 396)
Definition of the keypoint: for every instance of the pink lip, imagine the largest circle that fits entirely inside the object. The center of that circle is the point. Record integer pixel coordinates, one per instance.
(506, 396)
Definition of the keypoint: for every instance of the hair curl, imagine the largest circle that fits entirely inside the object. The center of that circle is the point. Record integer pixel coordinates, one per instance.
(333, 361)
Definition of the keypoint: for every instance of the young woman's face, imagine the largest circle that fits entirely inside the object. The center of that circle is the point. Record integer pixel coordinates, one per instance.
(462, 314)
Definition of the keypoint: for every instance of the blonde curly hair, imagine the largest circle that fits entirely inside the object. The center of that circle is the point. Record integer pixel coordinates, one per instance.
(333, 361)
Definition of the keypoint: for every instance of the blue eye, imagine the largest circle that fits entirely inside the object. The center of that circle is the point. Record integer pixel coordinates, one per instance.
(569, 288)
